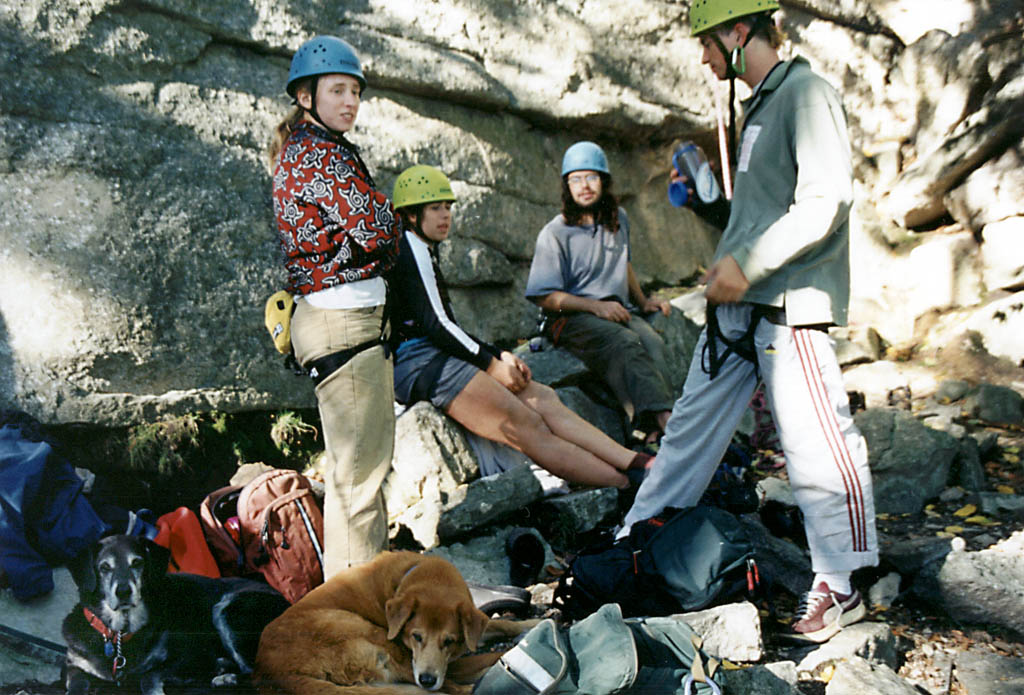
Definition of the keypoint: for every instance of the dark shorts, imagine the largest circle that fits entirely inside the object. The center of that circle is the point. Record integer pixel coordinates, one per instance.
(412, 357)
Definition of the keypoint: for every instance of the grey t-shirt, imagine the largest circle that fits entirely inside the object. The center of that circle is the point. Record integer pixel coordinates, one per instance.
(585, 261)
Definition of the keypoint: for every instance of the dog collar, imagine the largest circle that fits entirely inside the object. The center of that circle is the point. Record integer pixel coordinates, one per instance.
(112, 643)
(108, 634)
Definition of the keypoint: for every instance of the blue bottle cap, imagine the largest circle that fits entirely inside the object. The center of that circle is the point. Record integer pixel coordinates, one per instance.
(677, 193)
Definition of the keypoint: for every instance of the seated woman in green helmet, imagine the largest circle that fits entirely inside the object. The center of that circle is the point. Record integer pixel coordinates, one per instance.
(488, 391)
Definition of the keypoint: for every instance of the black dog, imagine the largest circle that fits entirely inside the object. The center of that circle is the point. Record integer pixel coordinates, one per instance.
(138, 625)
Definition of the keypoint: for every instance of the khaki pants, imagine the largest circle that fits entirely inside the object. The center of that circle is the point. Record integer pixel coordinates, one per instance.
(357, 413)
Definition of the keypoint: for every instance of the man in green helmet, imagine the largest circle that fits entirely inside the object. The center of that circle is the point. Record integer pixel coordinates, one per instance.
(779, 279)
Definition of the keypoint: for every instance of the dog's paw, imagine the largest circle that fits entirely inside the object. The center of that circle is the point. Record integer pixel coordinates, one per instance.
(225, 680)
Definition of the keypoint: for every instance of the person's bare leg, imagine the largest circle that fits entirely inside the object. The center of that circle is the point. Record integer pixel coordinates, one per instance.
(488, 409)
(568, 425)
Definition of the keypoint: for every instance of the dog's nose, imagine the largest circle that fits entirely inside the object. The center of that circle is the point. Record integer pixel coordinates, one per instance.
(427, 680)
(123, 592)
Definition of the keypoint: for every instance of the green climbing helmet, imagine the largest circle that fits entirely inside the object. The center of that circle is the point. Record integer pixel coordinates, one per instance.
(705, 15)
(421, 184)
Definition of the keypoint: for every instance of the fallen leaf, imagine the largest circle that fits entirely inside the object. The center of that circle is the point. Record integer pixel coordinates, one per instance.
(929, 507)
(883, 516)
(981, 520)
(1005, 489)
(944, 534)
(1012, 449)
(730, 666)
(954, 529)
(1011, 458)
(966, 510)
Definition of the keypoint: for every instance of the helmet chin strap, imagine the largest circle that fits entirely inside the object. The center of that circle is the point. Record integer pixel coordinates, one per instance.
(735, 65)
(316, 115)
(336, 135)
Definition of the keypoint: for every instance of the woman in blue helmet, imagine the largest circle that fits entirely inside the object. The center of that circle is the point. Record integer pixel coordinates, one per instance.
(338, 236)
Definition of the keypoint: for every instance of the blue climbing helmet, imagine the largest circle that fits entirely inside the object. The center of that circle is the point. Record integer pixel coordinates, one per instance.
(324, 55)
(585, 155)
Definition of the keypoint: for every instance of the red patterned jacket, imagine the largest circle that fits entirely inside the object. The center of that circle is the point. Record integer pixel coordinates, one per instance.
(333, 227)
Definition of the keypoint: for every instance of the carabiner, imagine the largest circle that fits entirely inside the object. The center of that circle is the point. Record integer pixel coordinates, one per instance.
(689, 681)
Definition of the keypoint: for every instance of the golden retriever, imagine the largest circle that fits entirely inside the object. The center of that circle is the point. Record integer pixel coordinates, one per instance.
(401, 623)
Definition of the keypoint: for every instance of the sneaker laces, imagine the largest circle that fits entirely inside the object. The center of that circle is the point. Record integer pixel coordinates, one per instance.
(809, 603)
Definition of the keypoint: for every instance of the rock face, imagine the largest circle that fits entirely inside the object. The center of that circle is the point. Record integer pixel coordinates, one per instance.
(138, 242)
(134, 198)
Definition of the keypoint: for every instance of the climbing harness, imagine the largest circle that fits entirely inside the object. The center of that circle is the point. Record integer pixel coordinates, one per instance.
(742, 347)
(322, 367)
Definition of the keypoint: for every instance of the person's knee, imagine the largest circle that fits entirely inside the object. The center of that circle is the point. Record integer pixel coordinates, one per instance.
(540, 396)
(530, 420)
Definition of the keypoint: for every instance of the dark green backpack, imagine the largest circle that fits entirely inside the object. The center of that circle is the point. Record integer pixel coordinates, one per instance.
(681, 560)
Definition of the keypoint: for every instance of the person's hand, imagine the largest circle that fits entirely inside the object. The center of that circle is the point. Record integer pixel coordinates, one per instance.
(508, 375)
(726, 282)
(610, 311)
(652, 304)
(508, 358)
(676, 177)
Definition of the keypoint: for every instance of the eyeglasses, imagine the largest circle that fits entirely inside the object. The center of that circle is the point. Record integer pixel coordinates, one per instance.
(580, 178)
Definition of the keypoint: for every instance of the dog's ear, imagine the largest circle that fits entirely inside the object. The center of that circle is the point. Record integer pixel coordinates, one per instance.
(398, 610)
(83, 570)
(157, 559)
(474, 622)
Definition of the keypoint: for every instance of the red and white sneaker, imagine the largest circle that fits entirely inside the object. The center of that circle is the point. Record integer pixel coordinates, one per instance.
(822, 613)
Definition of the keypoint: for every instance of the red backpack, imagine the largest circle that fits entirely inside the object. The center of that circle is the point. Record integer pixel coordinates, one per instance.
(276, 530)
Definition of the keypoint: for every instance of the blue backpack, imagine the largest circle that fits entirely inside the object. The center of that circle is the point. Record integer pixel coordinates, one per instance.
(681, 560)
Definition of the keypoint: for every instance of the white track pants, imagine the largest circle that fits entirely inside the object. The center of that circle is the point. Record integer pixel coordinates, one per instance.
(826, 456)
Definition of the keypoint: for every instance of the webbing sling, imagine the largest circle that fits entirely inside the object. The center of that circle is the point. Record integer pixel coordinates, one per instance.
(322, 367)
(742, 347)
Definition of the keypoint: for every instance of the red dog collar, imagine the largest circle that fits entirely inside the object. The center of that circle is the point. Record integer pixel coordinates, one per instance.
(113, 641)
(99, 627)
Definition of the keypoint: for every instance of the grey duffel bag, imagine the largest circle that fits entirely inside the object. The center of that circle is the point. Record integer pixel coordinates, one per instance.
(605, 654)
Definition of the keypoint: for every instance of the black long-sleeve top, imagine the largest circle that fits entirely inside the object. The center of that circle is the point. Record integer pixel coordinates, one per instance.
(420, 308)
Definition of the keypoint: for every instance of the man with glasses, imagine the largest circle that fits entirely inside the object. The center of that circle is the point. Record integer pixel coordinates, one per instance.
(582, 278)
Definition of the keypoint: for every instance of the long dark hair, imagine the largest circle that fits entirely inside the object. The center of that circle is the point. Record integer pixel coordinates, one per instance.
(411, 216)
(605, 210)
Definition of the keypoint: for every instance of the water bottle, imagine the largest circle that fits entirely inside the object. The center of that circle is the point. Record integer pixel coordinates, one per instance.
(689, 160)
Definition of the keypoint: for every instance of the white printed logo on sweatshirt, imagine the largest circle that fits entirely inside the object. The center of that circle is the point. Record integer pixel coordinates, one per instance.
(749, 138)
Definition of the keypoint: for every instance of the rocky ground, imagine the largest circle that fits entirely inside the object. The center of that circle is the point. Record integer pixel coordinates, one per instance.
(935, 638)
(930, 645)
